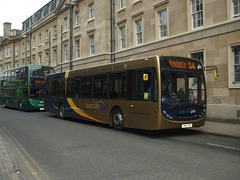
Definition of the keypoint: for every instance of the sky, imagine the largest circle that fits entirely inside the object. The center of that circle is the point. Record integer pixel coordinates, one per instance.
(17, 11)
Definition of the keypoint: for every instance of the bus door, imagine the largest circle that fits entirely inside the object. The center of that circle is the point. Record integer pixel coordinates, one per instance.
(143, 107)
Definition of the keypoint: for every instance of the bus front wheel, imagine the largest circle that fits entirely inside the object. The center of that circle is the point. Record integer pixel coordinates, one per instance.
(117, 119)
(61, 112)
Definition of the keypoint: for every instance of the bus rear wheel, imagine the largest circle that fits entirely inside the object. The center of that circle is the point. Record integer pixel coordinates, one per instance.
(19, 106)
(61, 112)
(117, 119)
(4, 103)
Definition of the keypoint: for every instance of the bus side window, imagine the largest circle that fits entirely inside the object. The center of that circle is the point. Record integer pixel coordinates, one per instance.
(142, 84)
(100, 86)
(86, 87)
(60, 88)
(118, 85)
(70, 87)
(78, 87)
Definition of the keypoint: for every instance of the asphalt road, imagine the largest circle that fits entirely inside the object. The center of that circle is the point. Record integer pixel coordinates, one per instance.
(49, 148)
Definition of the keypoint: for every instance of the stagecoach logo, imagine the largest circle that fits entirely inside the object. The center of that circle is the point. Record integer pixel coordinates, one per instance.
(97, 106)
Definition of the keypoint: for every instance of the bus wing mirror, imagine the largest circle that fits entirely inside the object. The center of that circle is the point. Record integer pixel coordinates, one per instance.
(216, 75)
(211, 68)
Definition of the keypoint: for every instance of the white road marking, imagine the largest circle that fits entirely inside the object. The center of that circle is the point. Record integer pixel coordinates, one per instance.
(226, 147)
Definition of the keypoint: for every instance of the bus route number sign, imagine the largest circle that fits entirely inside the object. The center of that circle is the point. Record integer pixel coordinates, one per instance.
(39, 81)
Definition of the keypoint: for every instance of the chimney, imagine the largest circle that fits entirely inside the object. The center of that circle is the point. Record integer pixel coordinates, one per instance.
(7, 29)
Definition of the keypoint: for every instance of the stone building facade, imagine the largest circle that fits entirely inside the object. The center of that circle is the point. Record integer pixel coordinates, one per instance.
(104, 31)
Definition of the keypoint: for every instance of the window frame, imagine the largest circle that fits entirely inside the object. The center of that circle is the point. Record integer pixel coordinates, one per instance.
(91, 10)
(78, 52)
(122, 39)
(231, 71)
(78, 20)
(196, 13)
(92, 44)
(66, 52)
(233, 9)
(164, 24)
(122, 4)
(65, 24)
(139, 31)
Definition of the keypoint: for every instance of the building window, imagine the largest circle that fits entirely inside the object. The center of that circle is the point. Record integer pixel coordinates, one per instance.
(66, 52)
(236, 8)
(163, 23)
(16, 50)
(28, 45)
(47, 59)
(122, 4)
(1, 55)
(92, 45)
(78, 48)
(123, 37)
(55, 57)
(91, 10)
(77, 17)
(55, 31)
(9, 52)
(23, 47)
(40, 38)
(40, 59)
(66, 24)
(6, 53)
(34, 42)
(236, 64)
(34, 61)
(197, 13)
(139, 31)
(198, 56)
(47, 35)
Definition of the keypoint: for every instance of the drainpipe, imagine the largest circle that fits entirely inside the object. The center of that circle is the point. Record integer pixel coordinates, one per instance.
(112, 29)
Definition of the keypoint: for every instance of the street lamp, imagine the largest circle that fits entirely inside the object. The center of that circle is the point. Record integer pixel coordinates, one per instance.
(71, 4)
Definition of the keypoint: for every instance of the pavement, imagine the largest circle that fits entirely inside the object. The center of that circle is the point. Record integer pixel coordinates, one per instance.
(10, 171)
(8, 165)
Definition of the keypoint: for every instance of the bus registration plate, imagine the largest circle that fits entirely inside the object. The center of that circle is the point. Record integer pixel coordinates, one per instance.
(187, 125)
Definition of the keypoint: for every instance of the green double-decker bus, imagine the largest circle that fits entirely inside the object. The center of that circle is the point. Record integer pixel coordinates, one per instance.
(23, 87)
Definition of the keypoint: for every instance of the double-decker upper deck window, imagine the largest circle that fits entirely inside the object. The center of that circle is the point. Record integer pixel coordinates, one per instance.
(197, 13)
(236, 8)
